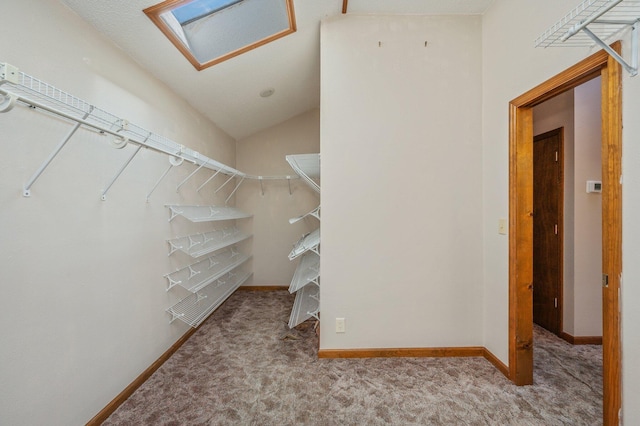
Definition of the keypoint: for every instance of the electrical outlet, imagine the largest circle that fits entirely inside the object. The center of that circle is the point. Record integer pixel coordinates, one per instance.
(340, 325)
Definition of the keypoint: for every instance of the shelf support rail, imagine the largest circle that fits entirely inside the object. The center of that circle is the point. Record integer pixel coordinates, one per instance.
(632, 68)
(27, 187)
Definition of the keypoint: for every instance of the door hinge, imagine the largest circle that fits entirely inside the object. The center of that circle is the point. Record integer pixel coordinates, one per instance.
(605, 280)
(555, 302)
(555, 229)
(556, 156)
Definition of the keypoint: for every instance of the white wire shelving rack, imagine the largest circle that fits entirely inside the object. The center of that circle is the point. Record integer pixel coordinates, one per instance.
(306, 305)
(306, 279)
(307, 166)
(198, 275)
(597, 22)
(310, 241)
(197, 245)
(308, 271)
(195, 308)
(17, 87)
(206, 213)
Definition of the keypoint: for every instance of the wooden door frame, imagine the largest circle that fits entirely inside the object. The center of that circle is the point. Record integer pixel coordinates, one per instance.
(521, 220)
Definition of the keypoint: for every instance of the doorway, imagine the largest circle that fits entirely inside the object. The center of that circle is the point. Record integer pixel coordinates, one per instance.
(521, 221)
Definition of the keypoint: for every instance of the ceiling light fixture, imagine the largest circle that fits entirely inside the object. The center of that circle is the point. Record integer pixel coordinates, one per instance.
(267, 92)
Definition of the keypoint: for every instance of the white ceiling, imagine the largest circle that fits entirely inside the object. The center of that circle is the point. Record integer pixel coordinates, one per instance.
(228, 93)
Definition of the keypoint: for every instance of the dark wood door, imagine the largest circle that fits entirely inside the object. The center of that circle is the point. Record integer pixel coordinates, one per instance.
(547, 229)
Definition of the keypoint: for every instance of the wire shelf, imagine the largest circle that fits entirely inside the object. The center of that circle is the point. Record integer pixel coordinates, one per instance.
(195, 308)
(197, 245)
(206, 213)
(41, 95)
(308, 271)
(307, 166)
(608, 18)
(306, 305)
(310, 241)
(200, 274)
(314, 213)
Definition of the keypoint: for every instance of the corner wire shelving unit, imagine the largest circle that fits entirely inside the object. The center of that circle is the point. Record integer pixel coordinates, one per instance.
(306, 279)
(17, 87)
(212, 280)
(597, 22)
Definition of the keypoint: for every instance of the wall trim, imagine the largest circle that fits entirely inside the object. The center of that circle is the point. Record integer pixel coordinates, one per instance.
(501, 366)
(581, 340)
(99, 418)
(263, 288)
(445, 352)
(465, 351)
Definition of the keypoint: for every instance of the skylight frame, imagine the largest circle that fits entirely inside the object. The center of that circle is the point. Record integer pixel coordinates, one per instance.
(154, 13)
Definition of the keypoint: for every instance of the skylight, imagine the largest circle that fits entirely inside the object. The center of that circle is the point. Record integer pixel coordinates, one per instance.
(199, 9)
(208, 32)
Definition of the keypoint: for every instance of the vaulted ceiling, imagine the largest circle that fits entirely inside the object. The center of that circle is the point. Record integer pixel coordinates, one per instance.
(229, 93)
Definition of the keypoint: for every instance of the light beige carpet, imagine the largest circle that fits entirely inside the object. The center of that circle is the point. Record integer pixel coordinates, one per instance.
(245, 367)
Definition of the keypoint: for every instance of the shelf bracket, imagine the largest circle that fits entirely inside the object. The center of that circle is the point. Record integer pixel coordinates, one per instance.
(172, 282)
(171, 166)
(261, 186)
(632, 68)
(207, 181)
(289, 182)
(227, 181)
(192, 272)
(204, 163)
(234, 190)
(174, 212)
(124, 166)
(27, 187)
(173, 248)
(213, 262)
(174, 315)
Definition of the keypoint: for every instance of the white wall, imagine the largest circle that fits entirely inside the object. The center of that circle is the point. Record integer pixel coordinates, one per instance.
(273, 236)
(552, 114)
(588, 210)
(401, 181)
(82, 279)
(630, 290)
(511, 66)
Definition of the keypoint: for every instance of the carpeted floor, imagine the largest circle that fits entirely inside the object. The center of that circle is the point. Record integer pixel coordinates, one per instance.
(245, 367)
